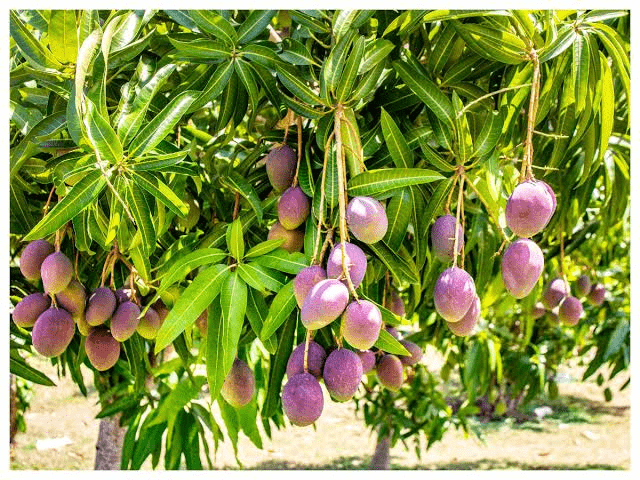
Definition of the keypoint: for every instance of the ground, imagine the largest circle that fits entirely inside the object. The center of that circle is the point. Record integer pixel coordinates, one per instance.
(583, 432)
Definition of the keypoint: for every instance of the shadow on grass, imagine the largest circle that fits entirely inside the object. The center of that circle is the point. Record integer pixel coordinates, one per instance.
(362, 463)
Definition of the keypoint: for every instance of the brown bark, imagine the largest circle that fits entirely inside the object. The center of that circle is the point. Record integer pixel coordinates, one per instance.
(381, 457)
(109, 444)
(13, 409)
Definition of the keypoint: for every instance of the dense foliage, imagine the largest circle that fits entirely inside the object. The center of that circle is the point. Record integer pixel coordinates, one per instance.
(138, 144)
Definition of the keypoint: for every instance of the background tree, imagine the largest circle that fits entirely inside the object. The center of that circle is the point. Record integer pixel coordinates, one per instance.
(138, 141)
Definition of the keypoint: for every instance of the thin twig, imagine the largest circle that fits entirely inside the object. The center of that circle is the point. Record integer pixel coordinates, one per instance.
(46, 205)
(299, 128)
(342, 202)
(526, 173)
(322, 196)
(488, 95)
(456, 236)
(236, 205)
(305, 364)
(325, 245)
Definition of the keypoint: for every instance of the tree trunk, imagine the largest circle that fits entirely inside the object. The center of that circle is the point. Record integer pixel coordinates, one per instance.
(381, 457)
(13, 409)
(109, 444)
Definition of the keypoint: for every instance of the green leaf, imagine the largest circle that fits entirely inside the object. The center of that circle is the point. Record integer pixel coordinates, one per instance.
(291, 80)
(566, 36)
(254, 25)
(265, 278)
(156, 187)
(580, 70)
(279, 365)
(375, 53)
(210, 22)
(281, 307)
(295, 53)
(103, 138)
(489, 135)
(19, 208)
(493, 43)
(238, 184)
(214, 86)
(283, 261)
(78, 198)
(162, 124)
(350, 72)
(63, 35)
(387, 343)
(35, 53)
(169, 162)
(440, 15)
(235, 241)
(398, 212)
(47, 126)
(401, 268)
(225, 325)
(191, 303)
(607, 108)
(333, 65)
(185, 391)
(263, 248)
(398, 148)
(245, 73)
(200, 50)
(256, 314)
(141, 211)
(383, 181)
(428, 92)
(130, 119)
(20, 368)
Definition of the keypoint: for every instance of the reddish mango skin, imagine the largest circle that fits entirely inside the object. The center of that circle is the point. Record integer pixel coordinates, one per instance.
(552, 194)
(293, 239)
(342, 374)
(73, 298)
(125, 321)
(443, 237)
(367, 219)
(596, 295)
(555, 291)
(325, 302)
(538, 311)
(315, 360)
(302, 399)
(239, 385)
(583, 285)
(414, 350)
(293, 208)
(389, 372)
(149, 324)
(522, 264)
(102, 349)
(281, 165)
(56, 272)
(32, 257)
(368, 359)
(305, 280)
(356, 263)
(570, 311)
(453, 293)
(52, 332)
(465, 326)
(397, 304)
(529, 208)
(123, 295)
(362, 322)
(27, 311)
(101, 305)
